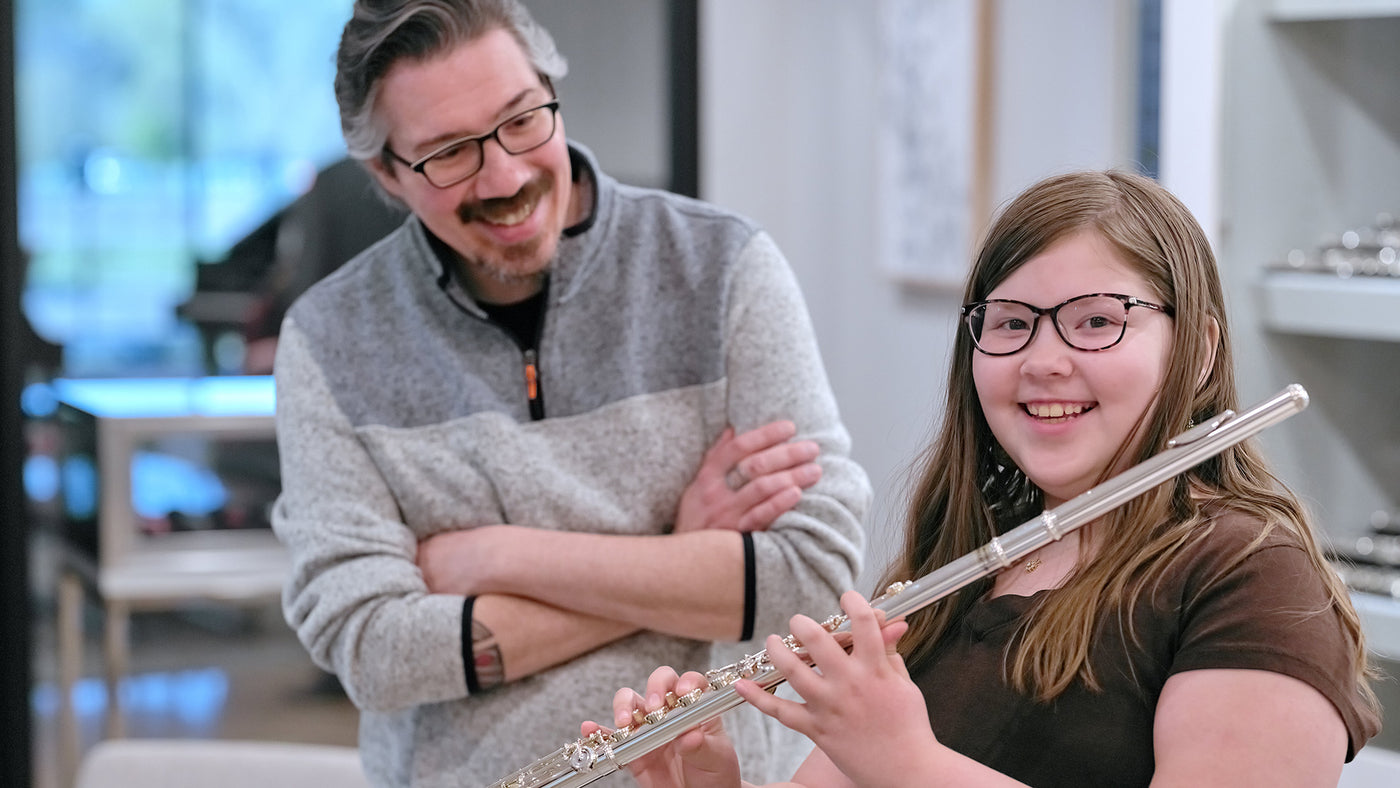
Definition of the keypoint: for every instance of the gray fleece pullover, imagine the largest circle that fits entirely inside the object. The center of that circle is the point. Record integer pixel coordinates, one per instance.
(402, 413)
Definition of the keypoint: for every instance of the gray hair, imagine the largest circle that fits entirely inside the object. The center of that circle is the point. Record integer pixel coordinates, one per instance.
(381, 33)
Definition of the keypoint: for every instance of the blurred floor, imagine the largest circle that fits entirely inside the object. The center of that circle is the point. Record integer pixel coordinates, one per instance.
(207, 672)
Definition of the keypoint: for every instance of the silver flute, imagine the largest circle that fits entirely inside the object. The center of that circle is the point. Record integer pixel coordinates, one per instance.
(596, 756)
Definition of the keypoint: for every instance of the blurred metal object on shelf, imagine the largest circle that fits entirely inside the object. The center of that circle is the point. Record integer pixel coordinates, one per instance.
(1371, 250)
(1372, 564)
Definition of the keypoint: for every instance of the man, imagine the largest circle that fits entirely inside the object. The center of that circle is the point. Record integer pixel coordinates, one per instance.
(551, 433)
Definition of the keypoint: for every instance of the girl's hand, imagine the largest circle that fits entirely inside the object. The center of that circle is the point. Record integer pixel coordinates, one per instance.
(700, 758)
(861, 708)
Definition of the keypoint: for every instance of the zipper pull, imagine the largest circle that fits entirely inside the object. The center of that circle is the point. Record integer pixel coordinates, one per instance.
(532, 377)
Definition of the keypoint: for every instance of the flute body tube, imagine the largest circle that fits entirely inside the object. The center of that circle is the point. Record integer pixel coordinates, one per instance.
(586, 760)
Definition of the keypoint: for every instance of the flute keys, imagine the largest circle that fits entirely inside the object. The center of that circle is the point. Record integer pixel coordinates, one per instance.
(897, 588)
(581, 759)
(640, 718)
(722, 679)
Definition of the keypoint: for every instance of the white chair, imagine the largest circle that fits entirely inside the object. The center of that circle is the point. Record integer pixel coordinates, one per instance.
(202, 763)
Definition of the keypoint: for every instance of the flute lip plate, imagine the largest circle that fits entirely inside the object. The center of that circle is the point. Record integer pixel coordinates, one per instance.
(1201, 430)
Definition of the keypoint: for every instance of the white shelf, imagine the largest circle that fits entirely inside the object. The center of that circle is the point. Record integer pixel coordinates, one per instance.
(1323, 10)
(1361, 307)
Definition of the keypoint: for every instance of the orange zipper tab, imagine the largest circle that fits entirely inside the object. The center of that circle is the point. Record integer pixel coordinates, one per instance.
(532, 377)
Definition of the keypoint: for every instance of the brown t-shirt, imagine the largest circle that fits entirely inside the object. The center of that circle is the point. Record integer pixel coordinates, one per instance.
(1260, 615)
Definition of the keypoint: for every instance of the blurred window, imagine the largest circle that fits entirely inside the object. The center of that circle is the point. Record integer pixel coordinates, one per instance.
(153, 134)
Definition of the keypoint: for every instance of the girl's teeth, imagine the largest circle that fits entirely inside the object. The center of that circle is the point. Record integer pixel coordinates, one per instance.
(1055, 410)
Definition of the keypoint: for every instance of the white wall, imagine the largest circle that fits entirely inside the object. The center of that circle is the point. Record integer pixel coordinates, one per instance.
(614, 98)
(787, 107)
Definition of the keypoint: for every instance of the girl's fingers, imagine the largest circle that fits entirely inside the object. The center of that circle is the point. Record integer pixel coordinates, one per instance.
(867, 638)
(691, 681)
(625, 701)
(661, 681)
(823, 649)
(798, 673)
(891, 635)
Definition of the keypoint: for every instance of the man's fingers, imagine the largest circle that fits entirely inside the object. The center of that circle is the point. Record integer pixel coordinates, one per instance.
(779, 458)
(748, 480)
(760, 438)
(760, 488)
(759, 517)
(760, 452)
(735, 456)
(789, 458)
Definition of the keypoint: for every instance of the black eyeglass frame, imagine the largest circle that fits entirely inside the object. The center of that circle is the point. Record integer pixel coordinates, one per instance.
(420, 166)
(1054, 312)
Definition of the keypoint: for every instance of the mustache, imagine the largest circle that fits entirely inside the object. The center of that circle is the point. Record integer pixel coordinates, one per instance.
(533, 190)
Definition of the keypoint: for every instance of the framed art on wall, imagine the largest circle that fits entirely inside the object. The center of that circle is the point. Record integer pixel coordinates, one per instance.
(933, 137)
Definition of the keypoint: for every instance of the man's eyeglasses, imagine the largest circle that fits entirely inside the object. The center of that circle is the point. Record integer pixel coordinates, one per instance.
(1096, 321)
(461, 158)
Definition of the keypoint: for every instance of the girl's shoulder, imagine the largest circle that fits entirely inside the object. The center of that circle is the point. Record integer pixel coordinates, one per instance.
(1231, 530)
(1242, 549)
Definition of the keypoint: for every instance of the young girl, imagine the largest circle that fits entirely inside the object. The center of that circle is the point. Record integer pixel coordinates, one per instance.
(1195, 636)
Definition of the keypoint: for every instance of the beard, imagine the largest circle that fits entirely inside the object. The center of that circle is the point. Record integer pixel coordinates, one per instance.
(520, 265)
(516, 264)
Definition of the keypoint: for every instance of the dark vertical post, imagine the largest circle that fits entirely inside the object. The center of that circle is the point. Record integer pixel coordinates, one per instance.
(1149, 102)
(683, 34)
(15, 620)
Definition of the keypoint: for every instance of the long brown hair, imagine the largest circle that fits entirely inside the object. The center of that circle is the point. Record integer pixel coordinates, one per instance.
(969, 491)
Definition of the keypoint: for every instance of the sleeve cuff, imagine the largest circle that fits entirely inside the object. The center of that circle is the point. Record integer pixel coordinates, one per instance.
(750, 588)
(468, 653)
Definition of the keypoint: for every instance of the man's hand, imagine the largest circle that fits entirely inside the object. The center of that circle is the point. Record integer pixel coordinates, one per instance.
(747, 480)
(455, 562)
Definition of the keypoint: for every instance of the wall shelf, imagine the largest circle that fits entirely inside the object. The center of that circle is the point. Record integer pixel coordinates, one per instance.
(1321, 304)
